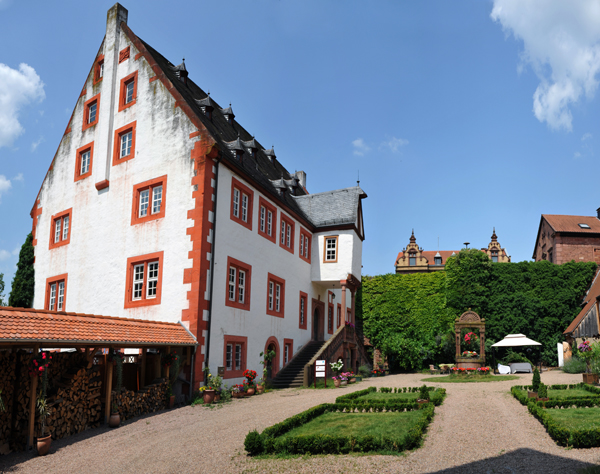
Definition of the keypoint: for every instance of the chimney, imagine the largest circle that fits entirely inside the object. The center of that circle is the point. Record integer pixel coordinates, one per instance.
(301, 176)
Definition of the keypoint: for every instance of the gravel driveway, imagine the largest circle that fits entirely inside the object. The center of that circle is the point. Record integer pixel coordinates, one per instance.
(480, 428)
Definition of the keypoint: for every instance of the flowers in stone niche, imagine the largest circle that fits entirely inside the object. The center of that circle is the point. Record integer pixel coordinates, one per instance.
(469, 354)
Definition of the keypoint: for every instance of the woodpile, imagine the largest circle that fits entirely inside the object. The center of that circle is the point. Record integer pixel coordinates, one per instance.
(148, 400)
(15, 385)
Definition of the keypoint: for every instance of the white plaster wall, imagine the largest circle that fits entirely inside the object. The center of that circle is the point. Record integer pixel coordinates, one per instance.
(349, 256)
(235, 240)
(102, 237)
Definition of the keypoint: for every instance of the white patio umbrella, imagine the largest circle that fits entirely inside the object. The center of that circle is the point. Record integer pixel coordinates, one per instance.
(515, 340)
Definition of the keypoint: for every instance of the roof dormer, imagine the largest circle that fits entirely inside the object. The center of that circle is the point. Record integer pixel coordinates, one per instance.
(252, 147)
(181, 72)
(271, 154)
(237, 148)
(207, 105)
(228, 114)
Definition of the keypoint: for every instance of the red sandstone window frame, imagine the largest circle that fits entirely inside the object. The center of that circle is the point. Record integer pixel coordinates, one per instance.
(303, 297)
(237, 214)
(272, 296)
(117, 160)
(330, 315)
(139, 260)
(304, 249)
(133, 77)
(79, 154)
(233, 340)
(238, 265)
(150, 186)
(268, 207)
(289, 345)
(86, 112)
(63, 240)
(97, 66)
(339, 315)
(337, 248)
(56, 280)
(286, 221)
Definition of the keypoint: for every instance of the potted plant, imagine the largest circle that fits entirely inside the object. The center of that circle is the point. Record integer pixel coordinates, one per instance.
(344, 377)
(587, 353)
(214, 383)
(423, 394)
(43, 442)
(38, 367)
(249, 382)
(542, 393)
(351, 377)
(237, 391)
(337, 381)
(114, 420)
(267, 357)
(336, 367)
(535, 384)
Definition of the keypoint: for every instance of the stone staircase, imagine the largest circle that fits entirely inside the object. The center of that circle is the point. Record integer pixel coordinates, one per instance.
(292, 375)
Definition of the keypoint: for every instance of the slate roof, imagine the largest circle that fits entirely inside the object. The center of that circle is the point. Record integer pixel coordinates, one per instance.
(19, 325)
(331, 207)
(430, 255)
(571, 223)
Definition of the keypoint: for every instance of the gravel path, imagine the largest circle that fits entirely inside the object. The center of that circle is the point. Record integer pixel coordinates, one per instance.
(479, 428)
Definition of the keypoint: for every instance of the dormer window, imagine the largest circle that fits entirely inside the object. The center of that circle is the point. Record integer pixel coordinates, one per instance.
(412, 260)
(584, 226)
(495, 256)
(437, 260)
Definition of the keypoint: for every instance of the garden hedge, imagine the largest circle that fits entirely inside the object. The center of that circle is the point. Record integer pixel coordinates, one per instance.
(436, 397)
(270, 441)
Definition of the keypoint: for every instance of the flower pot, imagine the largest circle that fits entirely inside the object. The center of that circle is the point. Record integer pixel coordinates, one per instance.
(352, 380)
(590, 378)
(543, 399)
(358, 379)
(171, 401)
(114, 420)
(343, 383)
(250, 392)
(237, 394)
(208, 396)
(260, 388)
(337, 383)
(43, 445)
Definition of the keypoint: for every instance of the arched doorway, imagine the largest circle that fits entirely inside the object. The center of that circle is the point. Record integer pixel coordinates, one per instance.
(273, 364)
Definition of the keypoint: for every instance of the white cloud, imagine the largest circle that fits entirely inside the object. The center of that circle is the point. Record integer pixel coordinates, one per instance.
(561, 42)
(17, 89)
(5, 185)
(586, 136)
(394, 144)
(19, 177)
(35, 144)
(360, 147)
(576, 155)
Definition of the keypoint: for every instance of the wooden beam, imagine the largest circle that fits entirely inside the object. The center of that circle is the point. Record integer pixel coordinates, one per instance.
(167, 367)
(109, 373)
(32, 400)
(143, 369)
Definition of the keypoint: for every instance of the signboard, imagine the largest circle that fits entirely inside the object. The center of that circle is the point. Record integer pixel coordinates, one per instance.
(320, 369)
(320, 362)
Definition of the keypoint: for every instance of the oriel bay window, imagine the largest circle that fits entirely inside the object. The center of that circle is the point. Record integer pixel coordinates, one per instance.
(239, 276)
(242, 199)
(56, 293)
(60, 233)
(144, 280)
(267, 220)
(275, 296)
(149, 199)
(287, 233)
(234, 355)
(124, 144)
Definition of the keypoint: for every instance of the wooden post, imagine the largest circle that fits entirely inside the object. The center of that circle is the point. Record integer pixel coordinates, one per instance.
(167, 367)
(143, 374)
(32, 400)
(109, 373)
(344, 309)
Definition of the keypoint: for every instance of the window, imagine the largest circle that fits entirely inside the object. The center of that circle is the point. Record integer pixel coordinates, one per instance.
(60, 233)
(286, 239)
(149, 200)
(267, 225)
(234, 355)
(302, 310)
(330, 254)
(437, 260)
(99, 69)
(584, 226)
(128, 93)
(239, 275)
(330, 319)
(288, 350)
(83, 162)
(550, 256)
(144, 280)
(305, 243)
(412, 260)
(124, 146)
(339, 315)
(275, 296)
(56, 293)
(242, 199)
(91, 110)
(494, 256)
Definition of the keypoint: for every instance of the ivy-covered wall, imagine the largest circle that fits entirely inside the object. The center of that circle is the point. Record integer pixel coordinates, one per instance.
(411, 317)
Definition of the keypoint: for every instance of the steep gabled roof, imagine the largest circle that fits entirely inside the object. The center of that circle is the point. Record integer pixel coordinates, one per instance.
(589, 301)
(562, 223)
(332, 207)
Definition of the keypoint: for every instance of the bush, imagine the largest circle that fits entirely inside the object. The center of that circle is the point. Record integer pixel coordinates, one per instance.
(424, 393)
(574, 366)
(364, 371)
(542, 391)
(515, 357)
(535, 384)
(254, 443)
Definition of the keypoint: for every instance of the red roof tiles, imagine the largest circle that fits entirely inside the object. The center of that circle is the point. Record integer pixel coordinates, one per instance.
(571, 223)
(430, 255)
(60, 328)
(590, 299)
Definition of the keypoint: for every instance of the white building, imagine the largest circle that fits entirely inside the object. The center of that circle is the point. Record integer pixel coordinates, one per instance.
(155, 188)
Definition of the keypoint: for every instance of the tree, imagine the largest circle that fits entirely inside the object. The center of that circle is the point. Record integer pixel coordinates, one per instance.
(21, 295)
(2, 300)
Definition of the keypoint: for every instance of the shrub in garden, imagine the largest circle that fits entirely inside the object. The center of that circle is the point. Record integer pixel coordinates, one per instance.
(535, 384)
(254, 443)
(424, 392)
(574, 365)
(542, 391)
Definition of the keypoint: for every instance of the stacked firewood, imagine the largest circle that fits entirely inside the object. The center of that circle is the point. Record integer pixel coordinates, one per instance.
(148, 400)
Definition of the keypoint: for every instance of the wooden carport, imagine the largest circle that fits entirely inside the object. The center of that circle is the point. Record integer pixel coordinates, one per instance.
(33, 329)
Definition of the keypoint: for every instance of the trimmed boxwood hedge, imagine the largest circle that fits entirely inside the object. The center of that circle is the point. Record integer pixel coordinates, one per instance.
(270, 440)
(436, 396)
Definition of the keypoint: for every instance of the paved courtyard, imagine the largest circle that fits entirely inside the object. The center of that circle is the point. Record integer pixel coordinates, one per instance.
(480, 428)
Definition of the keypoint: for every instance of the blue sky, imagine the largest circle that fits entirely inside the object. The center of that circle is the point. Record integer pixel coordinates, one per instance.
(459, 116)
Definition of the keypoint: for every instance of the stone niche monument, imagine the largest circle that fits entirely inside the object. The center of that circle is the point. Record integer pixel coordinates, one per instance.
(470, 320)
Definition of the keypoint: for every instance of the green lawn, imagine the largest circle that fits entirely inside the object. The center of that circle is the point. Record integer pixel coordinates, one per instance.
(569, 393)
(576, 418)
(388, 396)
(393, 424)
(469, 379)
